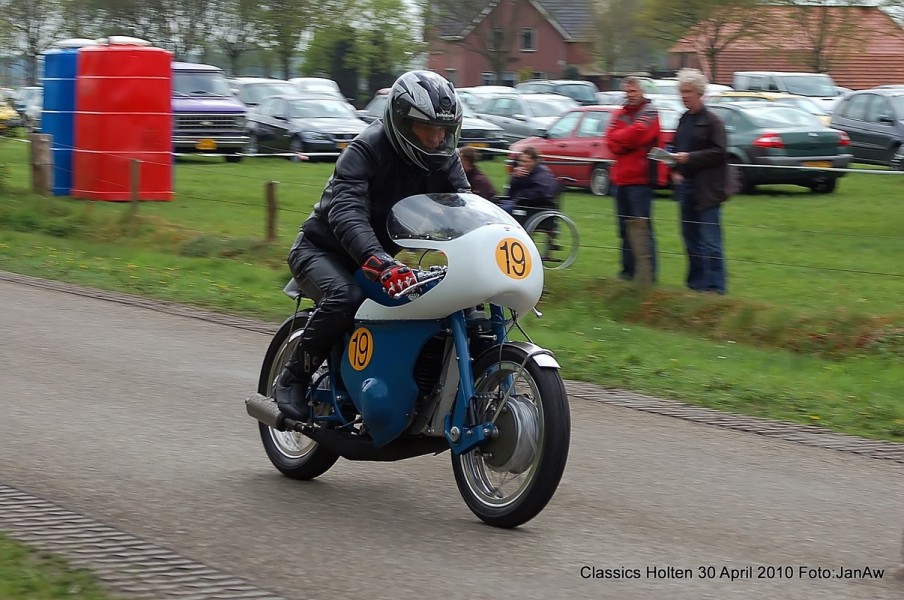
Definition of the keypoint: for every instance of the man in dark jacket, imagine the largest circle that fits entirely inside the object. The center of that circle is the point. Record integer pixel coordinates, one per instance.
(700, 184)
(532, 183)
(632, 133)
(411, 151)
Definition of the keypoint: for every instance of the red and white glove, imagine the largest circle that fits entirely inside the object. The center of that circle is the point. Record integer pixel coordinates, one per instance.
(393, 275)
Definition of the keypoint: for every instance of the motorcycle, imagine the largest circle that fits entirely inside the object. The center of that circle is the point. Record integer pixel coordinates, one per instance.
(436, 368)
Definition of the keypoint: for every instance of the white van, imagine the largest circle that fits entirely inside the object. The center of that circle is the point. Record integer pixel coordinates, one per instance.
(814, 85)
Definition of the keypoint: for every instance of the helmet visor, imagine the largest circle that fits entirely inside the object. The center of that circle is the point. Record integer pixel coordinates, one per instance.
(431, 138)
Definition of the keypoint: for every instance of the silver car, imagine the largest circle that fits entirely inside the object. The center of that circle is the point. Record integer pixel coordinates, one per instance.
(525, 115)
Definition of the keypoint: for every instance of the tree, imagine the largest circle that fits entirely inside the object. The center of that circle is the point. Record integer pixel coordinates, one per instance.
(238, 29)
(825, 30)
(32, 26)
(616, 38)
(283, 23)
(710, 25)
(496, 23)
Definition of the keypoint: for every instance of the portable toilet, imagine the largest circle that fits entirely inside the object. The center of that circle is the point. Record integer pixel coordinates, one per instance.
(58, 113)
(123, 115)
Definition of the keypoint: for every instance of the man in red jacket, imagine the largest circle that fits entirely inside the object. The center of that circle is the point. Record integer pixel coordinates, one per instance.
(632, 133)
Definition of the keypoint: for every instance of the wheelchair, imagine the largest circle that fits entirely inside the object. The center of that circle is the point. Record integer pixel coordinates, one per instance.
(554, 233)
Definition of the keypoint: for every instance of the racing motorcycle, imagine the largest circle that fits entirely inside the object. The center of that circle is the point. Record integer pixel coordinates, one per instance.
(436, 368)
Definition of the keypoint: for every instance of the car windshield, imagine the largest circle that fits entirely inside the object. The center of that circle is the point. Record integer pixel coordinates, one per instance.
(582, 93)
(443, 216)
(547, 108)
(781, 116)
(255, 93)
(809, 85)
(668, 119)
(320, 109)
(207, 83)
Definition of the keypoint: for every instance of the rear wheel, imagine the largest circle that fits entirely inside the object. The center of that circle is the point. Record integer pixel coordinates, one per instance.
(293, 454)
(510, 479)
(824, 186)
(233, 158)
(556, 237)
(600, 184)
(739, 179)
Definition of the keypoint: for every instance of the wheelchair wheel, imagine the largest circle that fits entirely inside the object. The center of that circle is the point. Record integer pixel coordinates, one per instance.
(556, 236)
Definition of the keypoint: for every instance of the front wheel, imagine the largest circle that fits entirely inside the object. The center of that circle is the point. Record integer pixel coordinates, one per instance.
(293, 454)
(556, 236)
(600, 183)
(510, 479)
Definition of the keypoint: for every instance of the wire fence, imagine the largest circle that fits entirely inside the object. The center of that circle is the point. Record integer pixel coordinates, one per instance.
(316, 189)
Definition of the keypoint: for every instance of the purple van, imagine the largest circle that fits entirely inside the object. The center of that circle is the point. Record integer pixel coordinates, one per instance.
(206, 116)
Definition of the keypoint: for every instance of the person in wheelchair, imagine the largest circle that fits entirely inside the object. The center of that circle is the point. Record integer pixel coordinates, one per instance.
(532, 184)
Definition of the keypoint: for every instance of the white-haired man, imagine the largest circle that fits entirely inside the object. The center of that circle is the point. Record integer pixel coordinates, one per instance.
(700, 181)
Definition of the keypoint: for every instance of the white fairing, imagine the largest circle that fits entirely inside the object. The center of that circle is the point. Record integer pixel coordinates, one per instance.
(474, 276)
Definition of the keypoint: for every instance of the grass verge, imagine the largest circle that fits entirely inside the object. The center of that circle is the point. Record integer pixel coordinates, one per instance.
(28, 574)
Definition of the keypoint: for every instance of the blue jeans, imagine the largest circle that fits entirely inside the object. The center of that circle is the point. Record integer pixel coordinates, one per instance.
(702, 232)
(634, 201)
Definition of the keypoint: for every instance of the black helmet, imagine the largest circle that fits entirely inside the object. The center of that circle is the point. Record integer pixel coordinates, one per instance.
(423, 97)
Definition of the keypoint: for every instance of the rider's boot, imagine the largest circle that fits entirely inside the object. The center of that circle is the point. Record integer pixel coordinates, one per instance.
(292, 385)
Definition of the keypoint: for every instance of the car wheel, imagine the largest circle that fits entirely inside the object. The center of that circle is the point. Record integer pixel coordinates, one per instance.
(600, 184)
(897, 159)
(739, 181)
(824, 186)
(253, 147)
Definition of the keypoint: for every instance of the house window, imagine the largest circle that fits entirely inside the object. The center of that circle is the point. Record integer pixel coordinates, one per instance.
(497, 40)
(450, 75)
(488, 78)
(538, 75)
(528, 38)
(509, 78)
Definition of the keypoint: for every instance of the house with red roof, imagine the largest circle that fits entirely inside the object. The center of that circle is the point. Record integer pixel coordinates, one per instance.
(543, 38)
(868, 49)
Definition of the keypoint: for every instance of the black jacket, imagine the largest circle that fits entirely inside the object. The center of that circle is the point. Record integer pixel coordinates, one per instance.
(537, 188)
(707, 165)
(350, 218)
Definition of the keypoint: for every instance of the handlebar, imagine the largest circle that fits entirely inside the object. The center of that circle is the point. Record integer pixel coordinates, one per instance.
(423, 278)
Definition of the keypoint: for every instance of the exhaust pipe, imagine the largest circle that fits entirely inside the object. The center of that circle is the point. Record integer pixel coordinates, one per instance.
(266, 411)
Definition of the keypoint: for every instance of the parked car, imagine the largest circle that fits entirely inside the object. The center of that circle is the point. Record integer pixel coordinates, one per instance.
(33, 111)
(22, 97)
(874, 120)
(769, 134)
(476, 96)
(610, 97)
(9, 118)
(801, 102)
(475, 132)
(815, 85)
(574, 146)
(306, 124)
(582, 92)
(251, 91)
(524, 115)
(206, 116)
(317, 85)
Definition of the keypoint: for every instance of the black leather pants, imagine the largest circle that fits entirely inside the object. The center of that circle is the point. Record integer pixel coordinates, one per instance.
(327, 279)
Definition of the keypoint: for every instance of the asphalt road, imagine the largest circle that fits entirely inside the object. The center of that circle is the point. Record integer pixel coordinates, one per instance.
(136, 419)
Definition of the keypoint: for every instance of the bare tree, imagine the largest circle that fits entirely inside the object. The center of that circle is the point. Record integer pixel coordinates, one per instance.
(496, 23)
(615, 31)
(284, 22)
(32, 27)
(238, 29)
(181, 25)
(710, 25)
(827, 32)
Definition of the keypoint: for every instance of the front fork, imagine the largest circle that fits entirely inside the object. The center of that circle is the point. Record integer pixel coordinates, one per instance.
(461, 437)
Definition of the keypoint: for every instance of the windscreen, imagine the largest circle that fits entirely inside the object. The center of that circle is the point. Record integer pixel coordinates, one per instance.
(809, 85)
(780, 116)
(198, 83)
(443, 216)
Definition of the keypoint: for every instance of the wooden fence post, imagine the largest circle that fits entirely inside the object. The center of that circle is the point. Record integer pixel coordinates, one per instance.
(639, 240)
(41, 163)
(270, 193)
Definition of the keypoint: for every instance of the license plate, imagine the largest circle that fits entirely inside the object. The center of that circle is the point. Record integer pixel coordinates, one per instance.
(479, 145)
(342, 145)
(206, 145)
(821, 164)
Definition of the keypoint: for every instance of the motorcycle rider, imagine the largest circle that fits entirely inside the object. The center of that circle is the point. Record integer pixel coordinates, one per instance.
(411, 151)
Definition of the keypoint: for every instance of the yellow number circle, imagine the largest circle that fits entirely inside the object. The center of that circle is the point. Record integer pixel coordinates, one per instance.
(360, 348)
(513, 258)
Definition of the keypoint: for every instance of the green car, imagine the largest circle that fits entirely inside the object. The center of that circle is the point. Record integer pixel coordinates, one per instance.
(769, 143)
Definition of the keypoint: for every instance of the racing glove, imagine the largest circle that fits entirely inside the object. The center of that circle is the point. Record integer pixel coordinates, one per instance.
(393, 275)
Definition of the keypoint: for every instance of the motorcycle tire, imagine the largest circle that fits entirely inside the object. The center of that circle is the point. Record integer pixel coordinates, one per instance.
(293, 454)
(531, 448)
